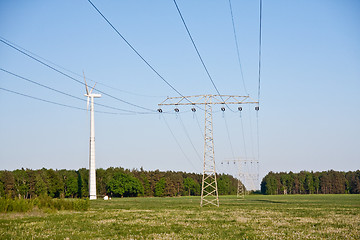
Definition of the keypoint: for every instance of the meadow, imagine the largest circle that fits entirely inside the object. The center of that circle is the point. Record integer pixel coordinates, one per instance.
(254, 217)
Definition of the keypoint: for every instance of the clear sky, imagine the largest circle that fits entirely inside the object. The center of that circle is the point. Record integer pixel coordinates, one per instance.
(310, 83)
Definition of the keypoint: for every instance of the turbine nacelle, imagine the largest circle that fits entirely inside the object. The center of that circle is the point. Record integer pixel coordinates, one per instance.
(89, 94)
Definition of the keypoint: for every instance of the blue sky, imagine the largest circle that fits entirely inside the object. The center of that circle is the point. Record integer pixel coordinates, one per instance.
(309, 117)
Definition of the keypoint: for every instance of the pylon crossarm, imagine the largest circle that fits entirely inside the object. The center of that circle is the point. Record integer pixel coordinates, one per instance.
(240, 160)
(207, 99)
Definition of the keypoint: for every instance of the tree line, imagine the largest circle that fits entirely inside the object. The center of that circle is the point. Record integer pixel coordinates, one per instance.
(114, 182)
(326, 182)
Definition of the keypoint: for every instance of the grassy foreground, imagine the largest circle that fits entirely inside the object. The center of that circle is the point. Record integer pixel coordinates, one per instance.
(255, 217)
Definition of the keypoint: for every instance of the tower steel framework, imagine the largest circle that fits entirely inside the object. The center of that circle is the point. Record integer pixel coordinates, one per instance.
(209, 189)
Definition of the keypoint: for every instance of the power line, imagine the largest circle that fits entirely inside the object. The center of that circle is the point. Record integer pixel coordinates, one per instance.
(197, 121)
(198, 53)
(177, 142)
(259, 78)
(48, 101)
(76, 74)
(257, 116)
(196, 49)
(228, 134)
(257, 133)
(67, 94)
(42, 85)
(72, 78)
(243, 135)
(251, 135)
(188, 136)
(241, 71)
(237, 47)
(134, 50)
(260, 49)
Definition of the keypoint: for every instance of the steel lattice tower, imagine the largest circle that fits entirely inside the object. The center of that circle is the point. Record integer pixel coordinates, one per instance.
(209, 190)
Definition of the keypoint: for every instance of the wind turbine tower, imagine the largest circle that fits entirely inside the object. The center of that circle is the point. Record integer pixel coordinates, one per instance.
(92, 170)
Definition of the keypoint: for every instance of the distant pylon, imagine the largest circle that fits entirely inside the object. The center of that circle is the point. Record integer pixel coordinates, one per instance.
(240, 187)
(240, 190)
(243, 175)
(92, 168)
(209, 189)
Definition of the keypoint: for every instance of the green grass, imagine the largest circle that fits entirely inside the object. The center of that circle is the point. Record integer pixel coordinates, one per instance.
(255, 217)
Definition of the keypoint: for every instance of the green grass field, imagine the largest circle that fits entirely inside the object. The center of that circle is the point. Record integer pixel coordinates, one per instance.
(255, 217)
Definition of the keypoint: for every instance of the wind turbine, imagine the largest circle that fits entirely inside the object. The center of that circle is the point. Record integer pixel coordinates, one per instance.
(92, 169)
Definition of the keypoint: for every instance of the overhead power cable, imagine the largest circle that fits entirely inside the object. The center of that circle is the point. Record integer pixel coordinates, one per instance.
(48, 101)
(177, 142)
(260, 31)
(198, 123)
(198, 53)
(241, 71)
(243, 136)
(251, 135)
(189, 138)
(257, 115)
(196, 49)
(69, 95)
(72, 78)
(258, 138)
(134, 50)
(76, 74)
(229, 138)
(237, 47)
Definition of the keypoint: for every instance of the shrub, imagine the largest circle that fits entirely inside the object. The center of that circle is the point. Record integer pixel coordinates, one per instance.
(81, 204)
(44, 203)
(15, 205)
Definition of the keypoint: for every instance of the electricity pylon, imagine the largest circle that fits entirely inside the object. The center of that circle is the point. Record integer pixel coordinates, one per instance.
(209, 189)
(243, 176)
(92, 170)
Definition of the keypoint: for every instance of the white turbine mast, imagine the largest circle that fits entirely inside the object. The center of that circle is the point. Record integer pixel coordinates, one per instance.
(92, 169)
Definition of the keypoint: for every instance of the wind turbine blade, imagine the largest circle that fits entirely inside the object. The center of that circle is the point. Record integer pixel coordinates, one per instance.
(87, 90)
(92, 88)
(87, 104)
